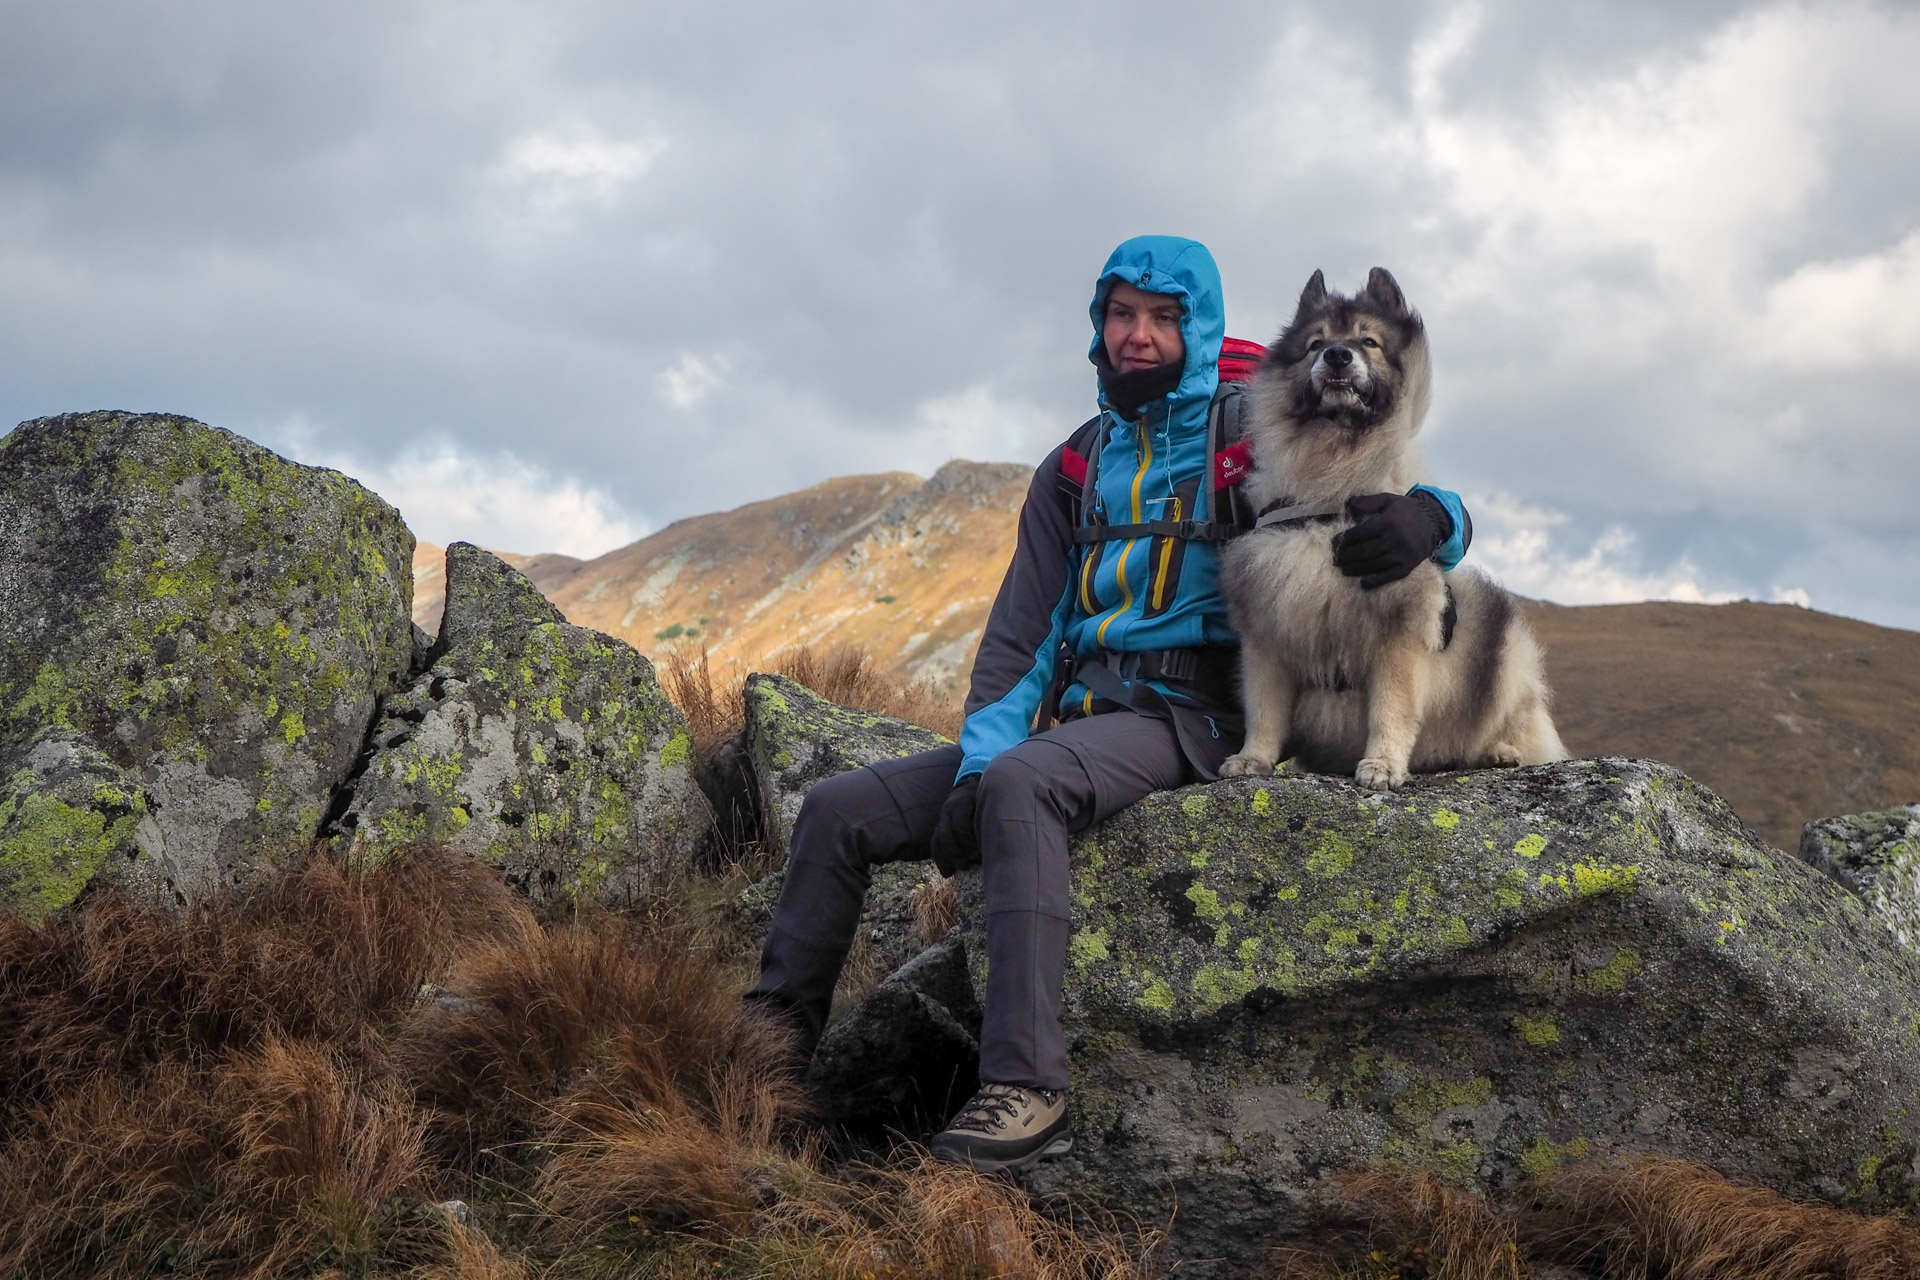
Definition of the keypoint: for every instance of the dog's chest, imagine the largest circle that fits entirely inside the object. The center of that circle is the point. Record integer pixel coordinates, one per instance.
(1290, 595)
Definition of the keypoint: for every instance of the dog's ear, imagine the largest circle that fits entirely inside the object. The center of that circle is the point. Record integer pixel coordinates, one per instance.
(1384, 292)
(1314, 296)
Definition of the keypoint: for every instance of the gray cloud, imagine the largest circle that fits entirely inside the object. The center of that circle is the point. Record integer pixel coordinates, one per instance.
(672, 258)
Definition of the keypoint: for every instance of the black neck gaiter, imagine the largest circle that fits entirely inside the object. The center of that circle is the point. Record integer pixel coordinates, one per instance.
(1126, 392)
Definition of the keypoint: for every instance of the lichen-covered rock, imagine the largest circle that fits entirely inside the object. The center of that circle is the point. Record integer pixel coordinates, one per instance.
(68, 816)
(1485, 974)
(1877, 855)
(544, 748)
(795, 738)
(214, 619)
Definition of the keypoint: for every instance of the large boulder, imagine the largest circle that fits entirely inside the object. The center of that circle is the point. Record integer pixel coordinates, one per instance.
(1877, 855)
(1485, 974)
(203, 615)
(795, 738)
(544, 748)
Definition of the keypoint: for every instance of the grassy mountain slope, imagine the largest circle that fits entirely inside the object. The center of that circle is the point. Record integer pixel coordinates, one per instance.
(1789, 713)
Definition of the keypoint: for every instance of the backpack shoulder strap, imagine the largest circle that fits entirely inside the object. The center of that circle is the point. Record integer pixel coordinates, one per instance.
(1229, 456)
(1079, 458)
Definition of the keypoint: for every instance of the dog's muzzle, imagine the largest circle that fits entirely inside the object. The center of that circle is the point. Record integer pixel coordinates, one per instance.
(1341, 377)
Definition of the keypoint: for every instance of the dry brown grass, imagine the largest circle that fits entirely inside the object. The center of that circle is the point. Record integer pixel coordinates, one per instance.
(936, 908)
(270, 1158)
(713, 708)
(848, 676)
(1657, 1216)
(1409, 1224)
(319, 952)
(288, 1083)
(551, 1020)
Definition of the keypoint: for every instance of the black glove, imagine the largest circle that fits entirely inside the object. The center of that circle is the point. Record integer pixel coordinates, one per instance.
(955, 844)
(1395, 535)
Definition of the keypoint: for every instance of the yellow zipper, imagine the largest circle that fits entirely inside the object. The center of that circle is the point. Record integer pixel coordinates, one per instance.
(1159, 596)
(1120, 568)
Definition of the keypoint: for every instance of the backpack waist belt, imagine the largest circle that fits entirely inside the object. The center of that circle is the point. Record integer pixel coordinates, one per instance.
(1209, 674)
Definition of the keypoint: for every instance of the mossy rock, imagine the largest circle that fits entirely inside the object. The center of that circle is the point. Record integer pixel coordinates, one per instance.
(544, 748)
(1485, 974)
(1877, 855)
(214, 619)
(795, 738)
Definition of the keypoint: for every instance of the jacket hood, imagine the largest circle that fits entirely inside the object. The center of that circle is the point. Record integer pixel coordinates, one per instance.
(1184, 269)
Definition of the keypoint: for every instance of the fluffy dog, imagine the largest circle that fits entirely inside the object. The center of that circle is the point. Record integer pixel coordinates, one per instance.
(1435, 671)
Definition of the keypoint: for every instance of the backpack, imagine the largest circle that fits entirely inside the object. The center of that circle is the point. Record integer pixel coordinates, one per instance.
(1229, 459)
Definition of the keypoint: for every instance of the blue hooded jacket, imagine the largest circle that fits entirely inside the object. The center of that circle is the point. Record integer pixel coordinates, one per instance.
(1132, 595)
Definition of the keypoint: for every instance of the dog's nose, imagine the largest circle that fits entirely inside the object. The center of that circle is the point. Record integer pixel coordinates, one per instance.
(1337, 357)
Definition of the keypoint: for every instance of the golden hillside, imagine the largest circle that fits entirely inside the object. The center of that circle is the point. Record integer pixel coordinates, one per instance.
(903, 567)
(1788, 713)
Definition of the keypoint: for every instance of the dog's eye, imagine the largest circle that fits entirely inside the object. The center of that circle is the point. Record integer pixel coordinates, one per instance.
(1370, 342)
(1314, 344)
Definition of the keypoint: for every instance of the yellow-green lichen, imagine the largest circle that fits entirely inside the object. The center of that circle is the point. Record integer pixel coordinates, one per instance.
(1089, 947)
(1612, 977)
(1158, 996)
(678, 749)
(1540, 1030)
(1332, 856)
(1543, 1157)
(1445, 819)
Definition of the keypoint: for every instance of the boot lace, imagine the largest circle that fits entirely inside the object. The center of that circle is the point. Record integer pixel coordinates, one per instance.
(984, 1111)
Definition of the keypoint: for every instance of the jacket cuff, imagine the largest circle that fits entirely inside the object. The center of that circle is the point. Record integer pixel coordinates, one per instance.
(1453, 549)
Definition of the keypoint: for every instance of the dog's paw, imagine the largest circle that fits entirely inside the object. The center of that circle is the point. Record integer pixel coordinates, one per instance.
(1243, 765)
(1380, 775)
(1503, 755)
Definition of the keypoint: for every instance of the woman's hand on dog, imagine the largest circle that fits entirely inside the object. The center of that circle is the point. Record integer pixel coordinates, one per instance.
(1394, 534)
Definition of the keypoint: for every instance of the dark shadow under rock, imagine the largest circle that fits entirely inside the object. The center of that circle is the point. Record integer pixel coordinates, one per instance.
(906, 1058)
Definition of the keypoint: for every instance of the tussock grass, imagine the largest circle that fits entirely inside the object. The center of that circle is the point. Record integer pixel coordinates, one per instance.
(535, 1032)
(1657, 1216)
(936, 908)
(847, 675)
(1643, 1217)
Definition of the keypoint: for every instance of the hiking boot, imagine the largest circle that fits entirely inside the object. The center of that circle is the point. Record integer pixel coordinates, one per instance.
(1006, 1126)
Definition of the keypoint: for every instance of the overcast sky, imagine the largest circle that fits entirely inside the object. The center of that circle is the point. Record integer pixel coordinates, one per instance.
(551, 275)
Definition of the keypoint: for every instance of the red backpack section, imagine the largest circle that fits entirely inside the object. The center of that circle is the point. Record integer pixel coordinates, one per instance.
(1239, 359)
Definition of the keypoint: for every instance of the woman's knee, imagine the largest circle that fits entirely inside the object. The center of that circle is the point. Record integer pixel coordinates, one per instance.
(1033, 772)
(833, 809)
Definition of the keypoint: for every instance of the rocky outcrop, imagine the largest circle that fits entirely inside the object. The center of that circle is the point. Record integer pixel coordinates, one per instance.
(210, 623)
(544, 748)
(794, 738)
(1877, 855)
(1486, 974)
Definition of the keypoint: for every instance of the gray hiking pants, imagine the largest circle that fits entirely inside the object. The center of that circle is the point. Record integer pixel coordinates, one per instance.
(1032, 797)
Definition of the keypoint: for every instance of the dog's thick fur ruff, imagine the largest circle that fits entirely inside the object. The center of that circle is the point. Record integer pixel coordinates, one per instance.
(1342, 679)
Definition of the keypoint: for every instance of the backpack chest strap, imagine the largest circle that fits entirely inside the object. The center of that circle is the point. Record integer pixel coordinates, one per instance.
(1189, 530)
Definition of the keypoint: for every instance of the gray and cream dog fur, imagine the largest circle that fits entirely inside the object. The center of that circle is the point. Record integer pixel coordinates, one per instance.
(1342, 679)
